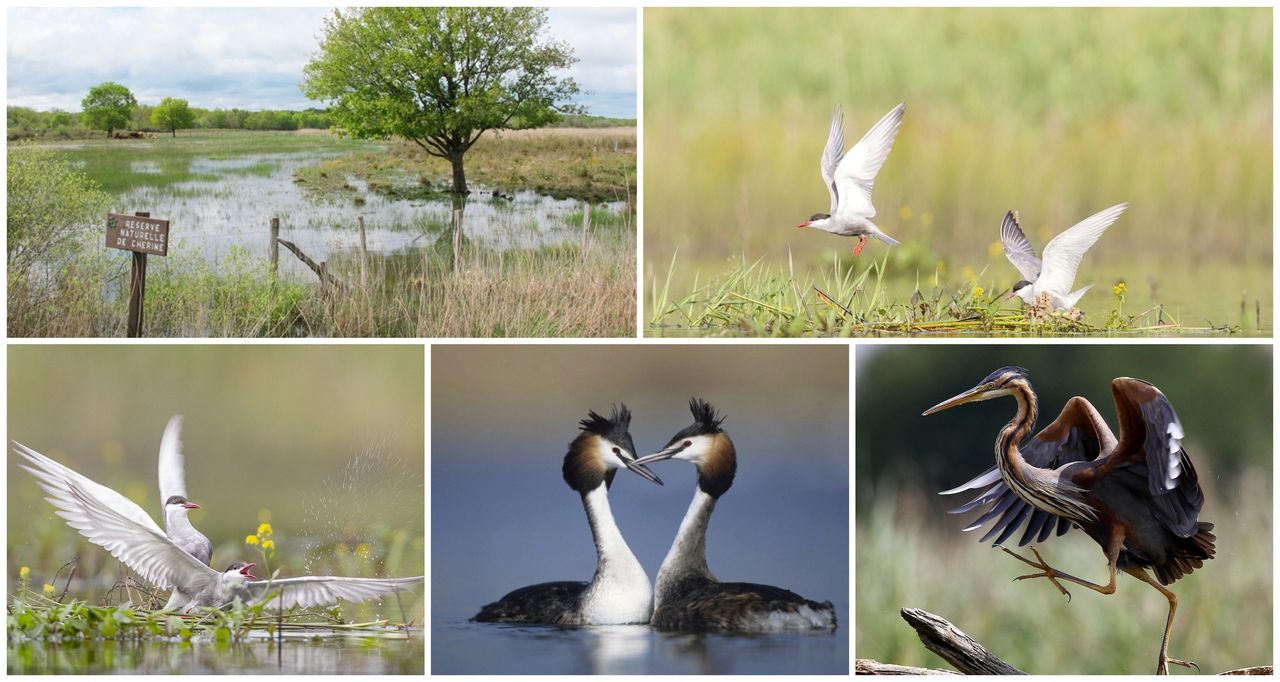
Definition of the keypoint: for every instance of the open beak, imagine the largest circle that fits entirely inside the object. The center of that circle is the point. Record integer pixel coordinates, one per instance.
(643, 471)
(661, 455)
(245, 572)
(190, 505)
(970, 396)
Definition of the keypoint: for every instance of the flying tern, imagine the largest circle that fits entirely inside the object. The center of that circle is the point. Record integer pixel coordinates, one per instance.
(1054, 275)
(115, 523)
(849, 177)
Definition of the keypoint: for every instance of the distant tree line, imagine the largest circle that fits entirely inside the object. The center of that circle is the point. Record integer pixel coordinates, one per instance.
(110, 107)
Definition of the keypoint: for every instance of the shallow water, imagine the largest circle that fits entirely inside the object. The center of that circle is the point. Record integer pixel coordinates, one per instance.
(220, 199)
(298, 656)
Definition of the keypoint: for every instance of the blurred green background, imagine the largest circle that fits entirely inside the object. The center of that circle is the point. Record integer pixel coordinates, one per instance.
(324, 442)
(909, 552)
(1057, 113)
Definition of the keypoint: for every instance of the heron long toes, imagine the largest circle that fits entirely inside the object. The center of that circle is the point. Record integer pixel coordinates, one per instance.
(1162, 668)
(1046, 570)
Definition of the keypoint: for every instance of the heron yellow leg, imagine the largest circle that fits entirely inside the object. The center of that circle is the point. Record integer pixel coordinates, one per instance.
(1054, 575)
(1162, 664)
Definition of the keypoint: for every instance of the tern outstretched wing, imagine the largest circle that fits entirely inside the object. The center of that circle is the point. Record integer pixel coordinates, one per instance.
(145, 550)
(172, 468)
(1017, 248)
(1063, 253)
(856, 173)
(322, 590)
(55, 479)
(831, 156)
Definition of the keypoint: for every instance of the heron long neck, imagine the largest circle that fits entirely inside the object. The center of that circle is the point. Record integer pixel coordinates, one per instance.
(1041, 487)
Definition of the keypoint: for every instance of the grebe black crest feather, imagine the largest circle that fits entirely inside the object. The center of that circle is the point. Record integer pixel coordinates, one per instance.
(583, 471)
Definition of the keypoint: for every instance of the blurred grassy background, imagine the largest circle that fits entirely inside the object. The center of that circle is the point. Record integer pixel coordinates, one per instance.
(324, 442)
(909, 552)
(1057, 113)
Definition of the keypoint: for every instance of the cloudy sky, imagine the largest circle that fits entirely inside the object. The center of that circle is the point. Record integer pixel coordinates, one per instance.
(249, 58)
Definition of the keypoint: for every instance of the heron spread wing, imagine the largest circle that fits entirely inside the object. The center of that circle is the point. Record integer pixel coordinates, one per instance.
(172, 470)
(324, 590)
(1151, 444)
(856, 173)
(1063, 253)
(831, 155)
(1079, 434)
(1017, 248)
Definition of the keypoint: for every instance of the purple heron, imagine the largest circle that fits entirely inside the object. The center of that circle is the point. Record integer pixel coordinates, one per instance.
(1136, 495)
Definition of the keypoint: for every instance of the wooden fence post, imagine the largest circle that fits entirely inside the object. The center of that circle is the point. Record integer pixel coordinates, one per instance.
(273, 250)
(364, 256)
(586, 225)
(457, 238)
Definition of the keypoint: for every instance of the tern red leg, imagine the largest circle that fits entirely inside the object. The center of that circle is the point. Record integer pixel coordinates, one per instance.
(857, 248)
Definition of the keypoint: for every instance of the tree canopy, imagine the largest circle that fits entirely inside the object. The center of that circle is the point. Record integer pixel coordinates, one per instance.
(108, 106)
(171, 114)
(440, 76)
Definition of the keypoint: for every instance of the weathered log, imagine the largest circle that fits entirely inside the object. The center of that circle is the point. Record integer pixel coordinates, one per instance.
(1253, 670)
(866, 666)
(955, 647)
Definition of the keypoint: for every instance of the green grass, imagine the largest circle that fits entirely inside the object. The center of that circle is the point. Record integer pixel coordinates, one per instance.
(1056, 113)
(911, 554)
(762, 299)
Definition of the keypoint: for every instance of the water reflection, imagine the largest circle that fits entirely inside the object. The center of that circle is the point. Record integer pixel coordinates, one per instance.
(618, 649)
(328, 655)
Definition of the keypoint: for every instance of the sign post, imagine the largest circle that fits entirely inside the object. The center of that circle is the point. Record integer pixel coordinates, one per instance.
(141, 234)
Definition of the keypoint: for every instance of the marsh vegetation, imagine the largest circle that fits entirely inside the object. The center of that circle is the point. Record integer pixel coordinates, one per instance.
(1055, 113)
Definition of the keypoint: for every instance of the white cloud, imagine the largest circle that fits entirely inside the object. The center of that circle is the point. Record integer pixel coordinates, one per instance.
(247, 57)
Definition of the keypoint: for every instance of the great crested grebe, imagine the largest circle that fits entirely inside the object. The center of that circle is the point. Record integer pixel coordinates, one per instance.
(688, 596)
(620, 592)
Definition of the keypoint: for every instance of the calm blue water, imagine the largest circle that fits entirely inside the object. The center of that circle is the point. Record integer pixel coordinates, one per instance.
(496, 529)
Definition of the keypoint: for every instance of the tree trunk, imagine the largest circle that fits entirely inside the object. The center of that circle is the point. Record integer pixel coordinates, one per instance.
(459, 174)
(175, 133)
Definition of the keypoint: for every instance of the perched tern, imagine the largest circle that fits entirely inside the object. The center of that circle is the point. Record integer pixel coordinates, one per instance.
(849, 177)
(173, 490)
(113, 522)
(1053, 276)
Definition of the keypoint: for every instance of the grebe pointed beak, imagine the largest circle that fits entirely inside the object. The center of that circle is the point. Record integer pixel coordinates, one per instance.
(661, 455)
(635, 467)
(969, 396)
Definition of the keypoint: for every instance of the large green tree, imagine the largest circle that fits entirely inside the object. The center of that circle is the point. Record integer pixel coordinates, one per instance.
(171, 114)
(440, 76)
(108, 106)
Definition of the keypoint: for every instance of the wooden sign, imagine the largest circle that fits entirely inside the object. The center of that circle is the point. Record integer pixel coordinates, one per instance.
(138, 234)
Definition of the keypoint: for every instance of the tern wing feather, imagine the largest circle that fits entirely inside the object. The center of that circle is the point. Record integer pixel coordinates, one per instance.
(144, 549)
(856, 173)
(831, 155)
(1018, 249)
(172, 467)
(1063, 253)
(55, 479)
(316, 590)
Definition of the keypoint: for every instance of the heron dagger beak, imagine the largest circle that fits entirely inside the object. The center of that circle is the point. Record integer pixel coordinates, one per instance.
(972, 395)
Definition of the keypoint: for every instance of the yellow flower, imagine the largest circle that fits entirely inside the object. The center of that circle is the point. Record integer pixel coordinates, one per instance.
(978, 292)
(363, 549)
(905, 213)
(1119, 289)
(995, 249)
(24, 573)
(251, 540)
(48, 589)
(268, 544)
(264, 529)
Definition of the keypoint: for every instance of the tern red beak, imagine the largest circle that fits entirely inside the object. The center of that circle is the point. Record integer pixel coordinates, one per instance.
(190, 505)
(245, 572)
(804, 224)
